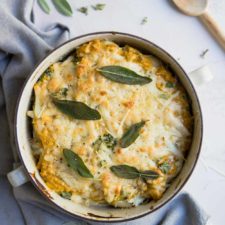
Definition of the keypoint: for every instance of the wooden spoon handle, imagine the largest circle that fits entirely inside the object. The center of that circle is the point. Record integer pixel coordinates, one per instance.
(214, 28)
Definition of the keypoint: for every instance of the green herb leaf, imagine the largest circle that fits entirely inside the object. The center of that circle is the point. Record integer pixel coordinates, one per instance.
(170, 84)
(130, 172)
(63, 7)
(144, 20)
(125, 171)
(76, 110)
(131, 134)
(98, 7)
(83, 10)
(76, 163)
(65, 194)
(123, 75)
(164, 167)
(44, 6)
(148, 174)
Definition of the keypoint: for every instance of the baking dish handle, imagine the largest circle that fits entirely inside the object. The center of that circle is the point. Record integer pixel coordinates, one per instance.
(17, 176)
(200, 76)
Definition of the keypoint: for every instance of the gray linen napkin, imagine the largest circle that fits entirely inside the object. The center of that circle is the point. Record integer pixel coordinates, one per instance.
(22, 46)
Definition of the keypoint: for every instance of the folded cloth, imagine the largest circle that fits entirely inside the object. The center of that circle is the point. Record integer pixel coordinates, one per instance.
(22, 45)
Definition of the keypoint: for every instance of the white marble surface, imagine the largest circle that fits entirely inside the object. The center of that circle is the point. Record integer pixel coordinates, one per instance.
(185, 38)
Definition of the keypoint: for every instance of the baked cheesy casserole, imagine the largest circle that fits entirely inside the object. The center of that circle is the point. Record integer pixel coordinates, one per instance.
(110, 125)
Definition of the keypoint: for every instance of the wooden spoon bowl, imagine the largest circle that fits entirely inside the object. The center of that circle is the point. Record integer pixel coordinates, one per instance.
(199, 8)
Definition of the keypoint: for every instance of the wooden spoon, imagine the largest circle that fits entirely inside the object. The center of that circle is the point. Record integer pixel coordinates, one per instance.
(199, 8)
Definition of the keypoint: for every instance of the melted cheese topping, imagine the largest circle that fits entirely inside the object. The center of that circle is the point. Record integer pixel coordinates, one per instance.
(163, 140)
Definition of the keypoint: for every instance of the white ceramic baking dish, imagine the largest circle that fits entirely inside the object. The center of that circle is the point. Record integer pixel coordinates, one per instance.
(23, 132)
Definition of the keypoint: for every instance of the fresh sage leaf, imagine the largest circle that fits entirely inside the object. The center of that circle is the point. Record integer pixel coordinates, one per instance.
(148, 174)
(144, 20)
(76, 110)
(131, 134)
(76, 163)
(83, 10)
(130, 172)
(98, 7)
(63, 7)
(125, 171)
(44, 6)
(65, 194)
(123, 75)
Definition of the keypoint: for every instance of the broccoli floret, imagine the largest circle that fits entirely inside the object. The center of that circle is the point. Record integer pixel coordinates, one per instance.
(107, 139)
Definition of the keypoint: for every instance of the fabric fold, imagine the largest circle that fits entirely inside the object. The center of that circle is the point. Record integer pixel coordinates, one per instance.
(22, 46)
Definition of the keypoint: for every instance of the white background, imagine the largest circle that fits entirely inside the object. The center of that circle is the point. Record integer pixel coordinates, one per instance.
(185, 38)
